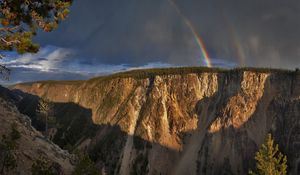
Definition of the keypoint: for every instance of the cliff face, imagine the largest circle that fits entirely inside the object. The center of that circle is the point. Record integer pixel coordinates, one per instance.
(31, 145)
(189, 123)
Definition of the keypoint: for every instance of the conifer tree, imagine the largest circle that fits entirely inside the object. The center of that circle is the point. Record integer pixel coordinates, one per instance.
(269, 160)
(20, 20)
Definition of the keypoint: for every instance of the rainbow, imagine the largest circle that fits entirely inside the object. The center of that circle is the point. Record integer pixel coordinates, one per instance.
(237, 45)
(196, 35)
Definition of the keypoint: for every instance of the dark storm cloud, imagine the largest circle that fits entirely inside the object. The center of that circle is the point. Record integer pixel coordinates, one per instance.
(251, 32)
(267, 32)
(130, 32)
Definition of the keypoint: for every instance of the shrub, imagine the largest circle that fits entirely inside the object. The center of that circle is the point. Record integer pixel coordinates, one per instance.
(85, 166)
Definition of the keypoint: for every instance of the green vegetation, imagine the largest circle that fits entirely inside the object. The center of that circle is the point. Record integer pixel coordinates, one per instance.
(8, 147)
(270, 161)
(85, 166)
(148, 73)
(21, 20)
(43, 166)
(151, 73)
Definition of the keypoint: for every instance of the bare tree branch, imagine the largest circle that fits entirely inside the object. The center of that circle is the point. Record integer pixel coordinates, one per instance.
(9, 43)
(9, 29)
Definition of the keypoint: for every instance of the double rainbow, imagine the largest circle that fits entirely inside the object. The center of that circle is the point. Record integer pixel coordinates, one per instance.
(196, 35)
(235, 40)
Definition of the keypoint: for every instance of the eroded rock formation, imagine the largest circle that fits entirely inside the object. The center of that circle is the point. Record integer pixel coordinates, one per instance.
(194, 122)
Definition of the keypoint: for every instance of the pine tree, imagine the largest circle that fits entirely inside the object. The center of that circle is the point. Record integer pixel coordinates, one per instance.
(270, 161)
(20, 21)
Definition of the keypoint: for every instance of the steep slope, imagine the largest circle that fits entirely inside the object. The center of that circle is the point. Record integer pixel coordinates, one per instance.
(31, 145)
(184, 121)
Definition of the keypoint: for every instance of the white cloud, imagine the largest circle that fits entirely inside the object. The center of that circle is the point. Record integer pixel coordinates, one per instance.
(53, 63)
(47, 59)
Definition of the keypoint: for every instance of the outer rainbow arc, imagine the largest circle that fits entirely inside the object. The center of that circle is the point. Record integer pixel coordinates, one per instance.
(239, 50)
(197, 37)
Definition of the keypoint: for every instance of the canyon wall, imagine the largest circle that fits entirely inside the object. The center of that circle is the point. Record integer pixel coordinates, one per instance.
(195, 122)
(31, 146)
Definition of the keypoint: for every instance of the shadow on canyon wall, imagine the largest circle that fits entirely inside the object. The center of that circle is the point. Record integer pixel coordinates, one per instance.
(230, 150)
(277, 112)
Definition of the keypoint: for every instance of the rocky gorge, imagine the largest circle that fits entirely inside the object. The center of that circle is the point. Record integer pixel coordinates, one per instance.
(174, 121)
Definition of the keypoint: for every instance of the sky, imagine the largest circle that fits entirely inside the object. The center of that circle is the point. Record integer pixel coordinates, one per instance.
(102, 37)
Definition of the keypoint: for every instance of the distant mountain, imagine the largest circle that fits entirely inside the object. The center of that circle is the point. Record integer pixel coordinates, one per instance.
(175, 121)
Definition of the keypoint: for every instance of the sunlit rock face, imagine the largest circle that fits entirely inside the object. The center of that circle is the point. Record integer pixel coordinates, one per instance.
(190, 122)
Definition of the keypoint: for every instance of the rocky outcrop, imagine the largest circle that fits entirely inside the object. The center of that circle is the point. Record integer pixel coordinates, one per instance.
(32, 145)
(186, 122)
